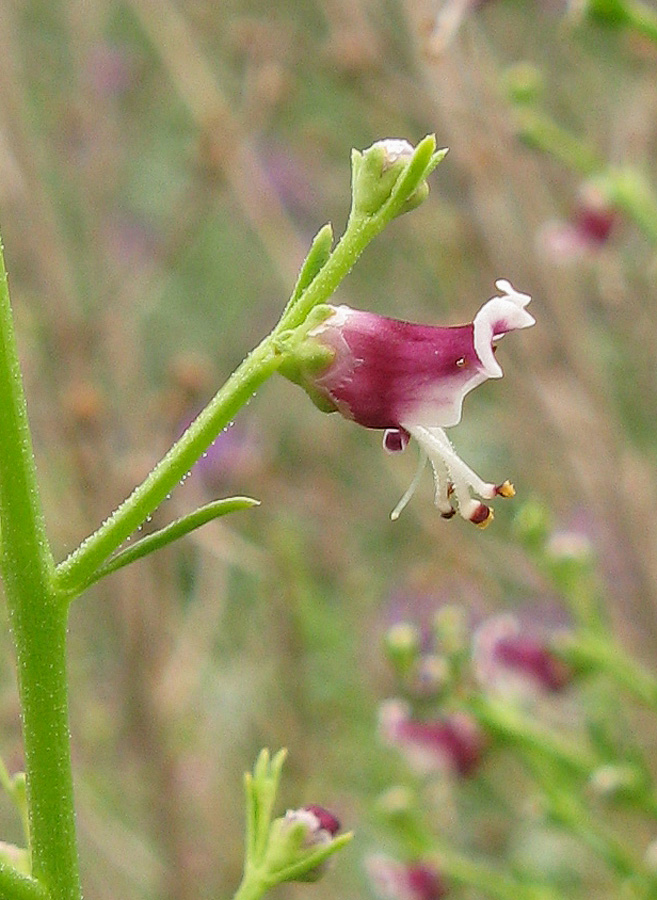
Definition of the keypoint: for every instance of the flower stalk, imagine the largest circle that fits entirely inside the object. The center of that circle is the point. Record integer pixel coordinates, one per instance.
(331, 268)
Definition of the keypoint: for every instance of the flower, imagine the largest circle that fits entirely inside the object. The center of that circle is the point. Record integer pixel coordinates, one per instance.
(506, 658)
(393, 880)
(410, 381)
(586, 232)
(300, 833)
(452, 743)
(323, 825)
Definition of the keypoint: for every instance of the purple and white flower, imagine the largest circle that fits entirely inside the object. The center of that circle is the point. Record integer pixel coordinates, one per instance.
(393, 880)
(410, 381)
(452, 744)
(510, 660)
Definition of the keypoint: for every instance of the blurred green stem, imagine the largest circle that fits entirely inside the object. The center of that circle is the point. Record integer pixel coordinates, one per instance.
(38, 620)
(643, 19)
(590, 653)
(465, 870)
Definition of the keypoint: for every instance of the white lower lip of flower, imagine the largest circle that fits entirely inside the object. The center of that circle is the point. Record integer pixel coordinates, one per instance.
(448, 468)
(508, 309)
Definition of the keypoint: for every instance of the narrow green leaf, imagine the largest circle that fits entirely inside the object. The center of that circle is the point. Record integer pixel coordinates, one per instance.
(181, 527)
(319, 252)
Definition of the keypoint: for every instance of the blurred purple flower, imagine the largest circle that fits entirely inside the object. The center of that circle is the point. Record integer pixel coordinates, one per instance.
(507, 659)
(589, 229)
(393, 880)
(452, 744)
(292, 179)
(410, 381)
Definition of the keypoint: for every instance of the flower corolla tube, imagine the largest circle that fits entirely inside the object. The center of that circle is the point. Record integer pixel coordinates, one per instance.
(410, 381)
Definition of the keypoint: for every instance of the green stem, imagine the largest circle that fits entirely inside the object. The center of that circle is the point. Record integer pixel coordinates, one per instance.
(566, 807)
(79, 568)
(510, 726)
(541, 132)
(38, 622)
(483, 877)
(642, 18)
(591, 653)
(253, 886)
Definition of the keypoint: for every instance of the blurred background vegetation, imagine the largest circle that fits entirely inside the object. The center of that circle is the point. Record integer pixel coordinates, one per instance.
(163, 167)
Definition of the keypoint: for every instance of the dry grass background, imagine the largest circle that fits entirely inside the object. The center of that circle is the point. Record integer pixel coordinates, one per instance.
(163, 166)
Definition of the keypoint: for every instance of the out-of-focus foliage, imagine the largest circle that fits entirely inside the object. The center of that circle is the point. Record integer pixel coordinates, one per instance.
(163, 167)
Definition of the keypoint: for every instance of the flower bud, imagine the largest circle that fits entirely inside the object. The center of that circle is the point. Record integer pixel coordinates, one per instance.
(402, 645)
(294, 840)
(375, 172)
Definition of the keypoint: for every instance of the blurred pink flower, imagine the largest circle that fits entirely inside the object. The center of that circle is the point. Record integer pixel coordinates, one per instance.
(111, 69)
(452, 743)
(588, 230)
(508, 659)
(393, 880)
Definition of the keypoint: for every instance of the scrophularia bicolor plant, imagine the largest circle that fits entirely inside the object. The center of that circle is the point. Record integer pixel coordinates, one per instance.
(410, 380)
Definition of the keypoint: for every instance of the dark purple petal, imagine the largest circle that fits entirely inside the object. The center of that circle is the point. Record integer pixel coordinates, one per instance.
(534, 659)
(327, 821)
(386, 369)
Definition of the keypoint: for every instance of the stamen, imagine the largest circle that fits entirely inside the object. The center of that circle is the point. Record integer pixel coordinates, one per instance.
(436, 442)
(506, 490)
(397, 511)
(453, 476)
(443, 489)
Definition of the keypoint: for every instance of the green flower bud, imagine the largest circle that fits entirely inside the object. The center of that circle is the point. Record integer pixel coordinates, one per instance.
(402, 646)
(375, 173)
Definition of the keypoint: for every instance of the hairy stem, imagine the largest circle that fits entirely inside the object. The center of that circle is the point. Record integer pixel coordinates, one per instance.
(38, 620)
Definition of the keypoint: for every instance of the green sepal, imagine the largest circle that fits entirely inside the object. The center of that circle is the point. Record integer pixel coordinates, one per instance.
(411, 188)
(181, 527)
(395, 187)
(372, 183)
(306, 357)
(309, 864)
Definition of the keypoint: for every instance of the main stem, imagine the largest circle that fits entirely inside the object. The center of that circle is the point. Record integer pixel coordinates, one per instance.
(38, 619)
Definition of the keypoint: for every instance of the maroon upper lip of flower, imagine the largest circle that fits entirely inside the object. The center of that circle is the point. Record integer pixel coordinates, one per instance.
(384, 366)
(390, 374)
(425, 883)
(327, 821)
(533, 658)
